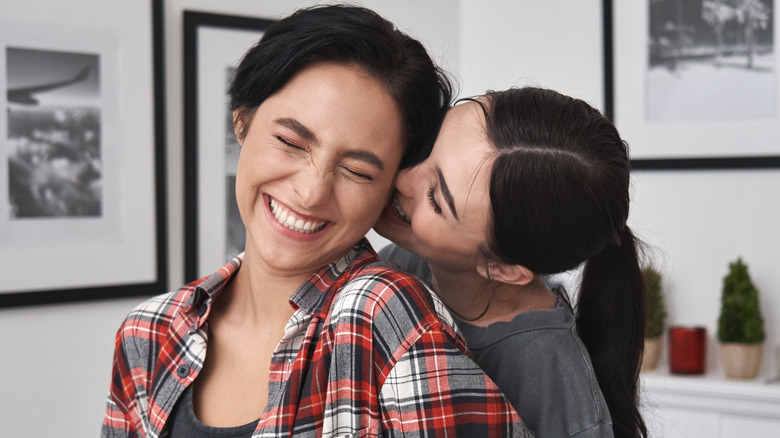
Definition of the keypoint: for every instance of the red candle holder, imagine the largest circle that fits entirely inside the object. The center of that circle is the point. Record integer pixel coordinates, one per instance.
(687, 350)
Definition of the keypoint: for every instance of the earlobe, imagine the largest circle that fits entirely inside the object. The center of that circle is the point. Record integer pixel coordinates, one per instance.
(506, 273)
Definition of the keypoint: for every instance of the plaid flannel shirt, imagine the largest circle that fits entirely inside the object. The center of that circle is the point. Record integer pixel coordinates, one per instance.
(365, 354)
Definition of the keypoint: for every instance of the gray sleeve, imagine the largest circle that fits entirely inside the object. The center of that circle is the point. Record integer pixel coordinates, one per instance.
(407, 261)
(600, 430)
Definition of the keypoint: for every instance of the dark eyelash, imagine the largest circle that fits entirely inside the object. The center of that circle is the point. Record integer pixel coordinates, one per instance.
(359, 175)
(287, 143)
(432, 201)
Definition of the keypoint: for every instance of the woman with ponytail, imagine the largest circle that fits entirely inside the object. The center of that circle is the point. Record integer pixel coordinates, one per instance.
(520, 185)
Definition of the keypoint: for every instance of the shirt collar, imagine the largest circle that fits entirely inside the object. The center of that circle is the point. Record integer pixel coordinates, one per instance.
(310, 296)
(313, 293)
(204, 293)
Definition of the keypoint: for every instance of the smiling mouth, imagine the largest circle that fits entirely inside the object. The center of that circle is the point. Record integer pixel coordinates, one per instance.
(400, 211)
(287, 218)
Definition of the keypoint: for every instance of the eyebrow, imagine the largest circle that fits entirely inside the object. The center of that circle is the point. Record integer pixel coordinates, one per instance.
(301, 129)
(445, 191)
(365, 156)
(298, 127)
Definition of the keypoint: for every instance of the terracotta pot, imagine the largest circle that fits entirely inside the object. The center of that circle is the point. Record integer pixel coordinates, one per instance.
(651, 354)
(741, 361)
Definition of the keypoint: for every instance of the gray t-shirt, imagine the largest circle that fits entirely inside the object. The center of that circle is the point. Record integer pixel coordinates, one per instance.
(184, 424)
(538, 361)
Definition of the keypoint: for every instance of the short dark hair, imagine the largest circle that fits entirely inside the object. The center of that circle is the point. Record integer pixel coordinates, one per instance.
(559, 194)
(352, 36)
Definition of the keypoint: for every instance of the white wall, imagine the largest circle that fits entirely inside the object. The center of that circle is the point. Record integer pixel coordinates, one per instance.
(56, 359)
(553, 44)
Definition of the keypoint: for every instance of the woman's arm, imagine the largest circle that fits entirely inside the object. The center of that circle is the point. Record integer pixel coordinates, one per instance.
(116, 422)
(144, 374)
(435, 389)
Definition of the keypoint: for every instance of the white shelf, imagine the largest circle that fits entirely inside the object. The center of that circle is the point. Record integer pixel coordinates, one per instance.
(709, 406)
(712, 393)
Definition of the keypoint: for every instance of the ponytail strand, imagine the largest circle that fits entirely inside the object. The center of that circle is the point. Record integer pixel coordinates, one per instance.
(610, 319)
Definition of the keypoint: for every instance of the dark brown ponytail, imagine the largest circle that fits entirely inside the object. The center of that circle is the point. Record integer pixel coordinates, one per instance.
(610, 321)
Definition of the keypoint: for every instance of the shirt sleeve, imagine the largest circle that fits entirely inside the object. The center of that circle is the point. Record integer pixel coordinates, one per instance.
(116, 422)
(434, 389)
(601, 430)
(135, 360)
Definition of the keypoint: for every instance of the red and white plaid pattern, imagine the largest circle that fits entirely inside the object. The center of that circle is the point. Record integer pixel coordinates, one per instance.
(368, 352)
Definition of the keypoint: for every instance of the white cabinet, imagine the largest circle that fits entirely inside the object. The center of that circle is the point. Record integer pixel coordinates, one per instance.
(712, 407)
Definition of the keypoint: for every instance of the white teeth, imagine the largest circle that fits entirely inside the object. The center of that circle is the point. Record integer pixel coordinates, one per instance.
(401, 213)
(288, 219)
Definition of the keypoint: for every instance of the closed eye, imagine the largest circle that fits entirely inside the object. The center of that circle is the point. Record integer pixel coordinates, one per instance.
(288, 144)
(432, 200)
(358, 174)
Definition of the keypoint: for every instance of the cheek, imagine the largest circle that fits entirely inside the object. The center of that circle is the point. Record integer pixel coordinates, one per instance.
(361, 207)
(366, 203)
(430, 230)
(444, 243)
(246, 179)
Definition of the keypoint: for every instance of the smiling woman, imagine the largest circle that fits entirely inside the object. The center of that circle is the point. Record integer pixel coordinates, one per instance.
(314, 164)
(307, 333)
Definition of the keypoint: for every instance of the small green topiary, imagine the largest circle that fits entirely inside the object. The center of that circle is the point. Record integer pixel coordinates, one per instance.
(740, 312)
(656, 307)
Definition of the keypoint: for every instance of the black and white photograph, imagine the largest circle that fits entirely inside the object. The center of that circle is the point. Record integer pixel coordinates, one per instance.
(82, 175)
(711, 60)
(694, 83)
(54, 134)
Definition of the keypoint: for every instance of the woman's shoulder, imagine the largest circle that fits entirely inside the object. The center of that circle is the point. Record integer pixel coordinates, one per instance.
(379, 284)
(547, 374)
(406, 261)
(390, 301)
(155, 313)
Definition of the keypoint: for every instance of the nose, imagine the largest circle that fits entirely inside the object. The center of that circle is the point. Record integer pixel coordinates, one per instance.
(313, 186)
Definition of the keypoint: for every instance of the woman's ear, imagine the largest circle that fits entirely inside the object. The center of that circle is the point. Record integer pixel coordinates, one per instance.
(238, 125)
(505, 273)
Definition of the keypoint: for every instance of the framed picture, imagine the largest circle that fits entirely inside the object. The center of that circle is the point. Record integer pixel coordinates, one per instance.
(213, 46)
(82, 162)
(694, 84)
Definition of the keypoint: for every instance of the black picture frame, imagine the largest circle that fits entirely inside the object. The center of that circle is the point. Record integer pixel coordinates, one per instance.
(735, 162)
(103, 285)
(203, 235)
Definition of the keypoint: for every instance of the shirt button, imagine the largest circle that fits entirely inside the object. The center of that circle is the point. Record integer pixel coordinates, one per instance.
(202, 309)
(183, 371)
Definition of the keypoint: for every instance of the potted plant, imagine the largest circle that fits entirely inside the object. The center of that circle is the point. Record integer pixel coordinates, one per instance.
(740, 325)
(656, 316)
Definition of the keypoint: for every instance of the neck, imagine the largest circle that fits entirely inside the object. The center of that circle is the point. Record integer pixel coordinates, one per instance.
(259, 296)
(469, 294)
